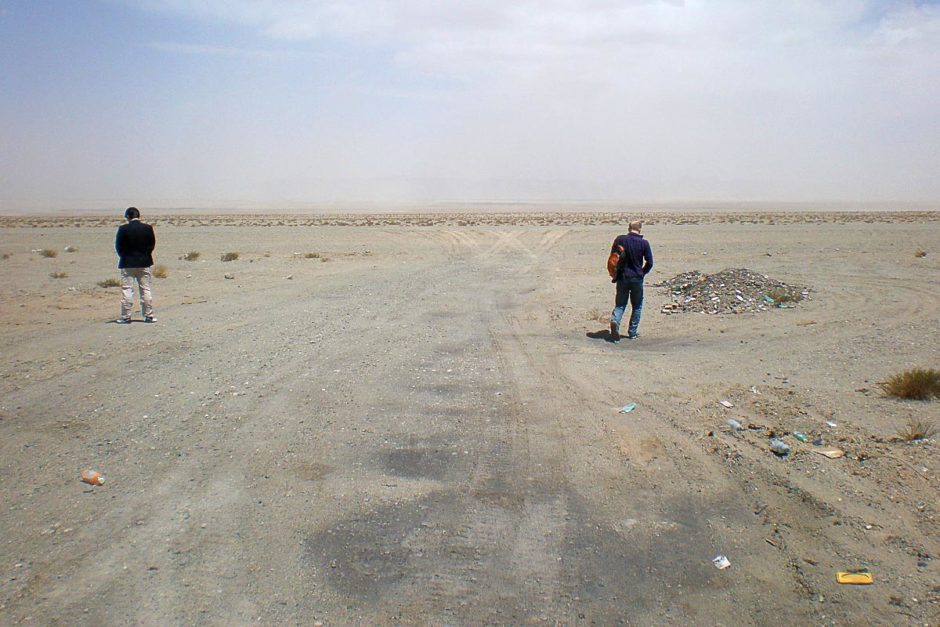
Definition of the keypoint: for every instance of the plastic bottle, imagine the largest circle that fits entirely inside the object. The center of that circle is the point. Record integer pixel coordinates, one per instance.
(734, 424)
(802, 437)
(779, 447)
(93, 477)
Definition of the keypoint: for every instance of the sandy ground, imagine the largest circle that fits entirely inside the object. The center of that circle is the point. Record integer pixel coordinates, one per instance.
(421, 426)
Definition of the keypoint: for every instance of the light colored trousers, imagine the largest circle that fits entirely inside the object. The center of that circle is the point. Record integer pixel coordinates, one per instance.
(143, 278)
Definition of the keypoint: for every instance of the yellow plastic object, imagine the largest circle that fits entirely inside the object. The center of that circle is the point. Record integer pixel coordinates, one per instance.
(859, 577)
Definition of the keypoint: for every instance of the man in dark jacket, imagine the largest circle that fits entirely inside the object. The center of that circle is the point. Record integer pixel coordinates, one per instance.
(134, 244)
(636, 260)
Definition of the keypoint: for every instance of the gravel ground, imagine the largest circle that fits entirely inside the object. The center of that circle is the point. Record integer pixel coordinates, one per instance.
(420, 424)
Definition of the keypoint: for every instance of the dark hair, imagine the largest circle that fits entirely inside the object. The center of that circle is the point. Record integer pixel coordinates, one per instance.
(132, 213)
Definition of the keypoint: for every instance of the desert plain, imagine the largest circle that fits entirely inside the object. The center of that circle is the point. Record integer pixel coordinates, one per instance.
(415, 419)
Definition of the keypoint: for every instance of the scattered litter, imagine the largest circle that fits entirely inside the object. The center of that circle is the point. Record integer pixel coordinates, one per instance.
(736, 290)
(779, 447)
(721, 562)
(734, 424)
(829, 423)
(289, 277)
(229, 276)
(860, 577)
(802, 437)
(831, 453)
(727, 404)
(93, 477)
(626, 409)
(754, 390)
(805, 323)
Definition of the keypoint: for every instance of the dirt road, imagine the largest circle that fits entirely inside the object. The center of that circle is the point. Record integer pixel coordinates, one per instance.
(424, 429)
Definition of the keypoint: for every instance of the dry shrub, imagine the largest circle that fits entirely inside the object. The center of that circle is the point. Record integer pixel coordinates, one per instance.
(920, 253)
(49, 253)
(191, 255)
(6, 255)
(312, 255)
(112, 282)
(781, 295)
(229, 256)
(919, 384)
(917, 429)
(59, 274)
(160, 271)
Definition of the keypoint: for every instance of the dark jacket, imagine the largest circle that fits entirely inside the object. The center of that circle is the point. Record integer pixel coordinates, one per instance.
(637, 258)
(134, 244)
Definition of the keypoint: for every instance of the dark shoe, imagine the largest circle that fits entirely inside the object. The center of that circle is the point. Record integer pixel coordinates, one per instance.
(633, 337)
(150, 319)
(123, 321)
(615, 331)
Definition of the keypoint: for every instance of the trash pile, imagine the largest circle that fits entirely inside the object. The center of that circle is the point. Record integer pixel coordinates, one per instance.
(736, 290)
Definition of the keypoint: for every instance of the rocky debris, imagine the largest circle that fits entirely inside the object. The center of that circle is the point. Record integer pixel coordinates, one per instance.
(736, 290)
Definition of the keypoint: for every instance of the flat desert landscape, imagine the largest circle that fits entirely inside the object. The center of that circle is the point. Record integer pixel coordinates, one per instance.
(380, 419)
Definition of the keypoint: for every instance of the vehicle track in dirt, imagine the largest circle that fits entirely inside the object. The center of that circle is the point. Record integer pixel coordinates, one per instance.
(421, 431)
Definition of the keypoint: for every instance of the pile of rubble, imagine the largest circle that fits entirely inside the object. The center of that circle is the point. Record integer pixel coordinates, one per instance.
(736, 290)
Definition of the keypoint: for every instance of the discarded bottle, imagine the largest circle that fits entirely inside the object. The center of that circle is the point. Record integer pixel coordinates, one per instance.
(802, 437)
(779, 447)
(734, 424)
(628, 408)
(93, 477)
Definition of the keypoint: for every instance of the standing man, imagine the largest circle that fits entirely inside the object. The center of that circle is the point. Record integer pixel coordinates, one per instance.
(636, 260)
(134, 244)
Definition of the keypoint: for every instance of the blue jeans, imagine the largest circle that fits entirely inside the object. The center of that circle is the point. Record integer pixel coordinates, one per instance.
(629, 289)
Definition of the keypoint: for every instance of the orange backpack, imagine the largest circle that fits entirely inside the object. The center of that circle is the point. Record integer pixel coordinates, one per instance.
(613, 261)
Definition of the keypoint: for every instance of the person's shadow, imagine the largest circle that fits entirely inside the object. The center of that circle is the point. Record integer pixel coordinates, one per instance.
(601, 335)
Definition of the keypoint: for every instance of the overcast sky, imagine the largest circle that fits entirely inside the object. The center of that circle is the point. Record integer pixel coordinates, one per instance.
(172, 103)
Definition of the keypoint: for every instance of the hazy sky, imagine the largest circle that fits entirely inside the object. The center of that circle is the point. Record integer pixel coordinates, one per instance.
(223, 102)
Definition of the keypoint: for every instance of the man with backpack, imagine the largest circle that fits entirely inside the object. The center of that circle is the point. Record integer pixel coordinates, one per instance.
(631, 259)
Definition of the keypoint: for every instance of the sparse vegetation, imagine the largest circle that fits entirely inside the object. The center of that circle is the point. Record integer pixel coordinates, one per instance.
(48, 253)
(160, 271)
(920, 253)
(920, 384)
(112, 282)
(58, 274)
(71, 249)
(6, 255)
(229, 256)
(917, 429)
(781, 295)
(191, 256)
(312, 255)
